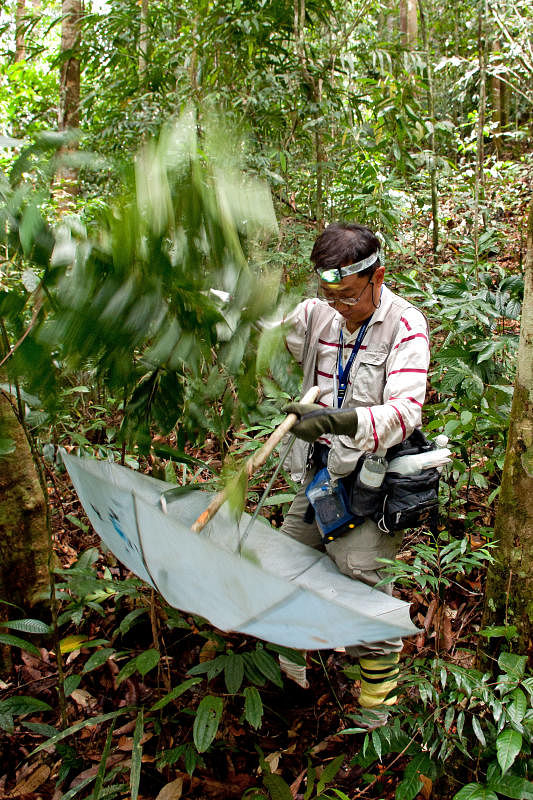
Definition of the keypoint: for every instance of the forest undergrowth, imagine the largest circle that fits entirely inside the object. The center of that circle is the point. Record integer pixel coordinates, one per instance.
(160, 704)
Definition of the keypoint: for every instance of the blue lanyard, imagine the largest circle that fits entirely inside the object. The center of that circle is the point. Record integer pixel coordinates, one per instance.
(344, 374)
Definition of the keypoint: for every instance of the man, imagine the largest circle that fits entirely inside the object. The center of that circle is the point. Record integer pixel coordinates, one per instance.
(368, 350)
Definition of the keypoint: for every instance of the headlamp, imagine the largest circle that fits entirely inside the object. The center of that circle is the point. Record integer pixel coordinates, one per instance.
(335, 276)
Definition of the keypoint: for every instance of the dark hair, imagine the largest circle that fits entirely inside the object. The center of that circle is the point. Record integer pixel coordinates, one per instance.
(344, 243)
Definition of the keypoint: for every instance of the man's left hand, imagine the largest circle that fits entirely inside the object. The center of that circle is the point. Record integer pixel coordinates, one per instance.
(315, 420)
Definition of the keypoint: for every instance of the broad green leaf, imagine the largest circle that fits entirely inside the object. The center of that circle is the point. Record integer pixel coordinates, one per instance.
(512, 664)
(206, 722)
(71, 682)
(476, 727)
(136, 756)
(127, 670)
(27, 625)
(129, 620)
(16, 641)
(253, 707)
(376, 741)
(279, 498)
(233, 672)
(277, 788)
(147, 660)
(329, 773)
(267, 665)
(508, 785)
(41, 728)
(475, 791)
(174, 693)
(409, 787)
(78, 726)
(98, 658)
(19, 705)
(508, 746)
(77, 522)
(295, 656)
(517, 709)
(448, 719)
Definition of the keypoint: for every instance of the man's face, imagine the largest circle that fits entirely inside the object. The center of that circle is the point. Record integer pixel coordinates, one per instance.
(355, 287)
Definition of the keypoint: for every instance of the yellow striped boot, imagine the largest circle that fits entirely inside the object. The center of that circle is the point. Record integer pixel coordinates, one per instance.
(379, 676)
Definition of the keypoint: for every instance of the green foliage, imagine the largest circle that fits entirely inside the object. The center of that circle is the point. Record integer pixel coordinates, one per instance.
(437, 564)
(123, 338)
(133, 302)
(206, 721)
(457, 708)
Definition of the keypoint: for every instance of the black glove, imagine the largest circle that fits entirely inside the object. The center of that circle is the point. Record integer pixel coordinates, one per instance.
(314, 420)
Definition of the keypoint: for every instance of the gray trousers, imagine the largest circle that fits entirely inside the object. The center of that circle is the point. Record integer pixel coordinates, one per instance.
(355, 554)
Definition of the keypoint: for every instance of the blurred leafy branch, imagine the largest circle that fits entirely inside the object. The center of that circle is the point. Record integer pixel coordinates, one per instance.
(159, 302)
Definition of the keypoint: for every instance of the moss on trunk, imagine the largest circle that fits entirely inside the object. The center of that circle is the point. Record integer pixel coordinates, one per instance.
(23, 534)
(509, 593)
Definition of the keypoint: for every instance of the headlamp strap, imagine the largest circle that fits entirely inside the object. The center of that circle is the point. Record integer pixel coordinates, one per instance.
(338, 273)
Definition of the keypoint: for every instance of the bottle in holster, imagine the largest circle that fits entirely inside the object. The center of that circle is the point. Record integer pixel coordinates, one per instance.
(367, 487)
(372, 472)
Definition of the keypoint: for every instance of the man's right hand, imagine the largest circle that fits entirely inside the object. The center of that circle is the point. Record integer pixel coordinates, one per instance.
(315, 420)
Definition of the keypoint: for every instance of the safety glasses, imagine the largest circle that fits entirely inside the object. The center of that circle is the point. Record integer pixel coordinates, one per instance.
(344, 301)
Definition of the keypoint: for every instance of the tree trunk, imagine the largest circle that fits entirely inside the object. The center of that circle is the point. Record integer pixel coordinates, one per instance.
(69, 92)
(23, 531)
(408, 22)
(144, 39)
(496, 92)
(479, 189)
(20, 46)
(412, 23)
(509, 591)
(432, 145)
(69, 85)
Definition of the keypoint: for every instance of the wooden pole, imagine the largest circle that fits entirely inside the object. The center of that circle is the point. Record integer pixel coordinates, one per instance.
(254, 462)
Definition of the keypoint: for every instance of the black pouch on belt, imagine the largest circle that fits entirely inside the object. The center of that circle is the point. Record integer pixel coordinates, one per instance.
(365, 502)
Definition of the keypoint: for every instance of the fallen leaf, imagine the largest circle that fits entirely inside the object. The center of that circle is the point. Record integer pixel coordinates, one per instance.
(127, 728)
(172, 791)
(32, 781)
(125, 743)
(208, 652)
(82, 697)
(446, 632)
(427, 787)
(430, 614)
(295, 785)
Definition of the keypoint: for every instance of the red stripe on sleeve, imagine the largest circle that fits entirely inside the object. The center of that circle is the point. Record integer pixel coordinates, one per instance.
(402, 319)
(376, 440)
(402, 423)
(409, 338)
(396, 371)
(412, 400)
(324, 374)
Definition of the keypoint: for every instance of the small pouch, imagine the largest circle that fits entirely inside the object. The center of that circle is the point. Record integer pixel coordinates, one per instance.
(409, 501)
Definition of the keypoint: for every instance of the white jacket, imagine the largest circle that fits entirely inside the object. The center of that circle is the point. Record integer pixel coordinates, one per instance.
(387, 379)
